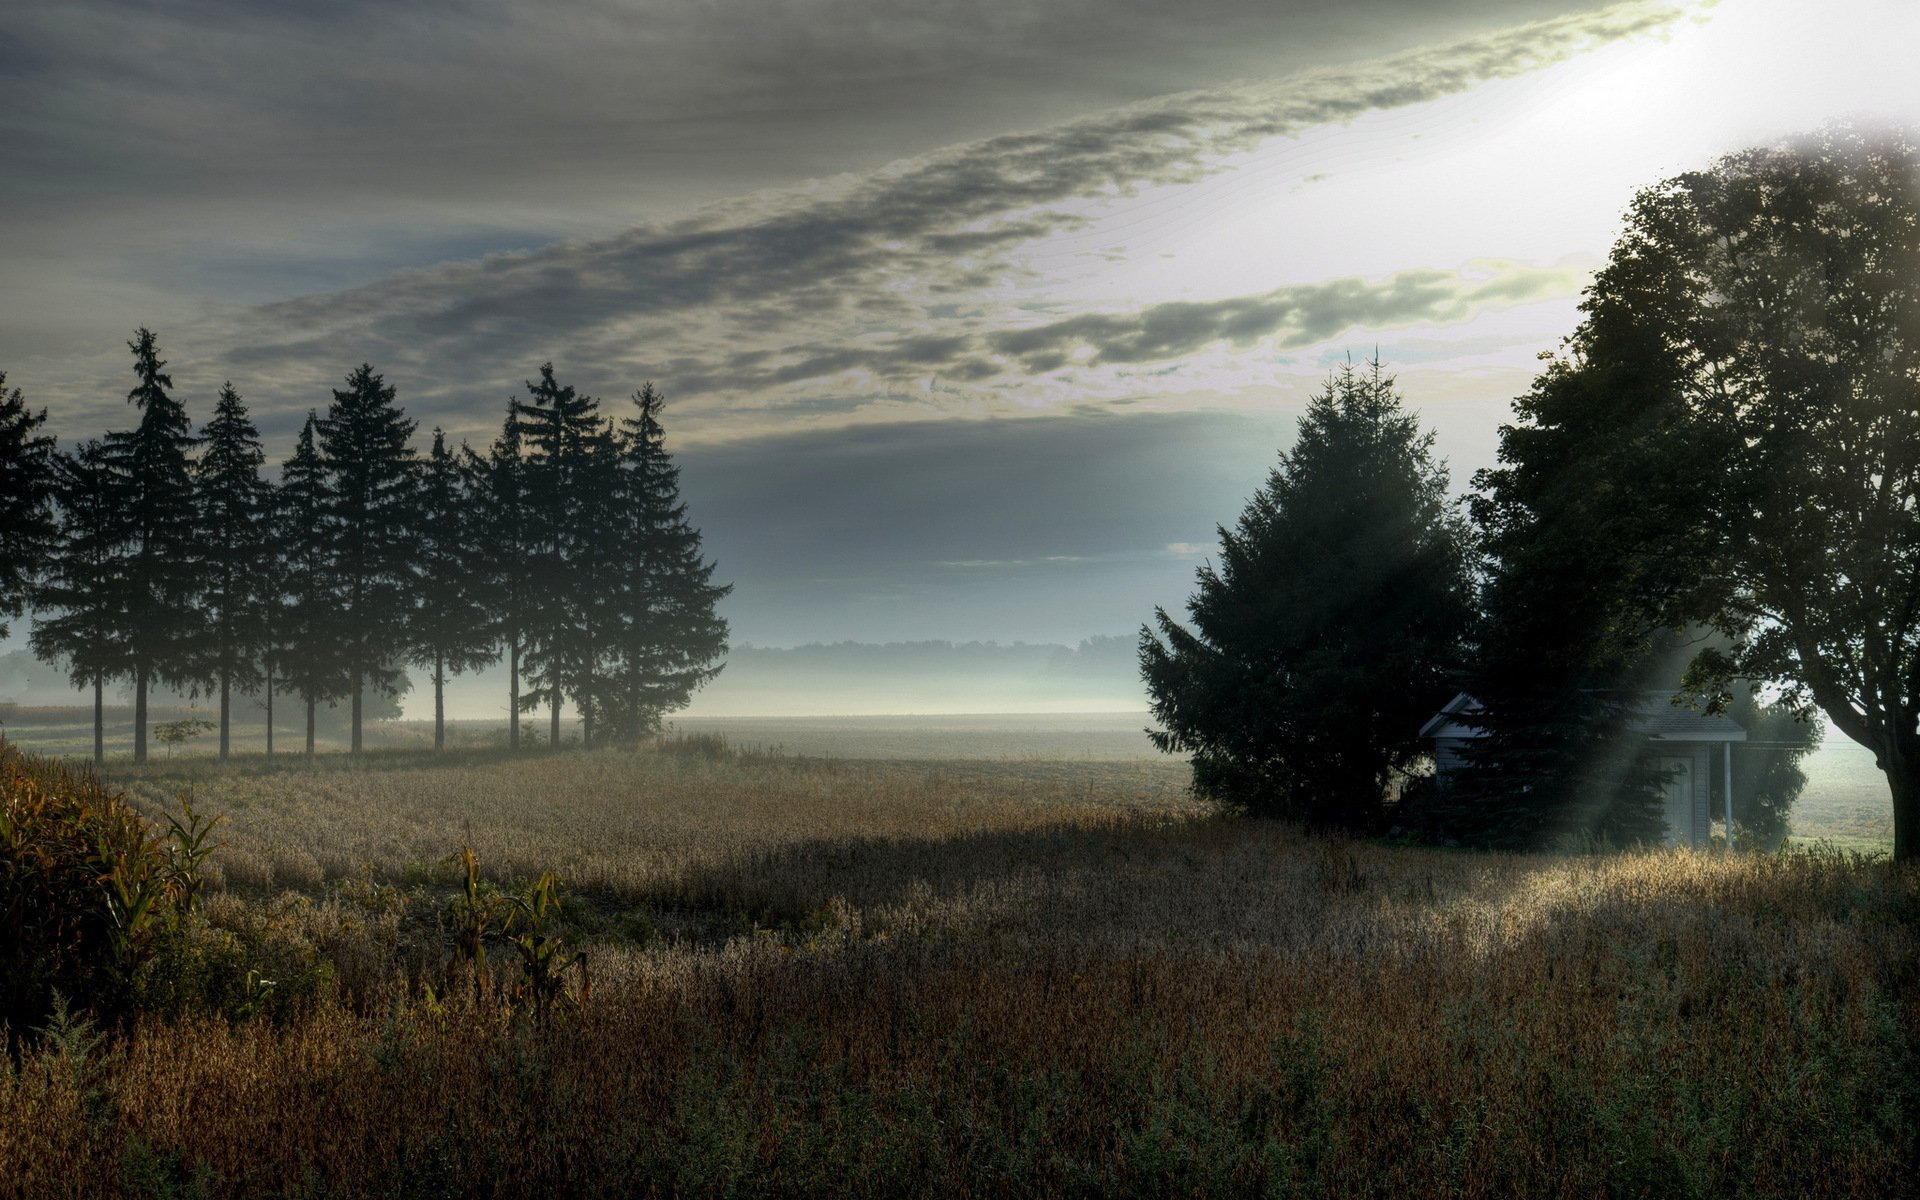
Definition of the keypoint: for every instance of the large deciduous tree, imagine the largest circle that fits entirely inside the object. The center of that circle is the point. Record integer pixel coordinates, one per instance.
(1780, 288)
(1323, 638)
(234, 542)
(27, 482)
(159, 614)
(372, 476)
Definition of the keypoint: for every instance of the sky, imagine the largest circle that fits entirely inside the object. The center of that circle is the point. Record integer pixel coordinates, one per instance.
(975, 317)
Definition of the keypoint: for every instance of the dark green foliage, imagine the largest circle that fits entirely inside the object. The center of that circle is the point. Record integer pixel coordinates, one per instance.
(504, 576)
(27, 482)
(667, 636)
(1323, 639)
(1594, 543)
(563, 443)
(448, 631)
(79, 597)
(233, 537)
(367, 515)
(304, 648)
(158, 618)
(1767, 777)
(1763, 312)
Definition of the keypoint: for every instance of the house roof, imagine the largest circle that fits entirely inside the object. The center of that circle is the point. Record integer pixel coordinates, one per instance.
(1657, 717)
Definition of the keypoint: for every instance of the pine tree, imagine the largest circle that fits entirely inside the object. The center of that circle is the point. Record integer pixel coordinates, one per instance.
(28, 477)
(603, 522)
(372, 474)
(270, 587)
(449, 628)
(78, 606)
(233, 541)
(666, 633)
(307, 653)
(505, 577)
(159, 619)
(561, 433)
(1324, 638)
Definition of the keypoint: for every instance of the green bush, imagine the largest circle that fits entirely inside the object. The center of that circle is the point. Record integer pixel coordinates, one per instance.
(92, 896)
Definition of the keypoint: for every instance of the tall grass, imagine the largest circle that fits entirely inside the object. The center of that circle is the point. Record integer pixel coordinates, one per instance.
(826, 980)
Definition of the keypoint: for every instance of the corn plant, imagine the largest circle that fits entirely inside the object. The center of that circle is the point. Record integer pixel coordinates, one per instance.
(542, 986)
(190, 844)
(472, 914)
(132, 865)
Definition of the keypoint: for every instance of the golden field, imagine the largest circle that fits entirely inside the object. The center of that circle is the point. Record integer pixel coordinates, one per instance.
(813, 977)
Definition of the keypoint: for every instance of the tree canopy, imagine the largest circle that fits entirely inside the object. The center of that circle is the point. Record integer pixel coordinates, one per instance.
(1324, 637)
(1733, 437)
(28, 478)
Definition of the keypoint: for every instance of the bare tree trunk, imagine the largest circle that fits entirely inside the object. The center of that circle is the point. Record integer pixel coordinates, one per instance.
(553, 724)
(1903, 780)
(226, 711)
(140, 715)
(357, 687)
(99, 722)
(513, 692)
(439, 704)
(311, 705)
(269, 708)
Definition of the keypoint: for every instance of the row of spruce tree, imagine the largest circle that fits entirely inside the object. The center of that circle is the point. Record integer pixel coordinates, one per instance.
(162, 556)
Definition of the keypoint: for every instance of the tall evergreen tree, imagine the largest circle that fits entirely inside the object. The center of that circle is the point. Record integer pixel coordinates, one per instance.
(666, 636)
(505, 577)
(308, 656)
(159, 617)
(270, 586)
(449, 628)
(372, 476)
(233, 540)
(561, 434)
(1325, 636)
(28, 477)
(77, 609)
(1591, 550)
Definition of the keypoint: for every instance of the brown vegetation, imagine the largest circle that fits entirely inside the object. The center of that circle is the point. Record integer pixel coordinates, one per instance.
(811, 978)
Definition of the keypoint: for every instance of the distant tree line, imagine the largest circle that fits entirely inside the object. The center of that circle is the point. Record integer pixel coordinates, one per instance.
(1712, 492)
(165, 557)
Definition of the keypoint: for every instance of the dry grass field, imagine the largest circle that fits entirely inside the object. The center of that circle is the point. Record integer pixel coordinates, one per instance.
(814, 977)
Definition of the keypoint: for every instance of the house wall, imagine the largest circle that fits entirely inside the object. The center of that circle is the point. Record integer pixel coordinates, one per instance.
(1447, 756)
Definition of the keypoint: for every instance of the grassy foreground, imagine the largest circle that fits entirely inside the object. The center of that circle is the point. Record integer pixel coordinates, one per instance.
(979, 978)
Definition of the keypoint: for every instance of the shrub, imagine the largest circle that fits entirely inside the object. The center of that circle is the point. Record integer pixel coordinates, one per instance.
(90, 892)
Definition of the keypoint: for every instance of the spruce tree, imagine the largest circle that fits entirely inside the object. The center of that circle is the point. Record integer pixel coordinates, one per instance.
(505, 577)
(28, 477)
(667, 636)
(372, 474)
(233, 542)
(159, 619)
(308, 656)
(449, 628)
(1325, 636)
(560, 433)
(77, 608)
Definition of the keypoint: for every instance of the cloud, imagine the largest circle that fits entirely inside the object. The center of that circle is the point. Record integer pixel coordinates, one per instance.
(691, 300)
(1287, 318)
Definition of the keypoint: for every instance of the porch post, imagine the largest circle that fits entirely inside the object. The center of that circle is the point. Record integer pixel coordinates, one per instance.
(1726, 775)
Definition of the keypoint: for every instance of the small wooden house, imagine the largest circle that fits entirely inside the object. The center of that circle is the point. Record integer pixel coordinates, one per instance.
(1680, 740)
